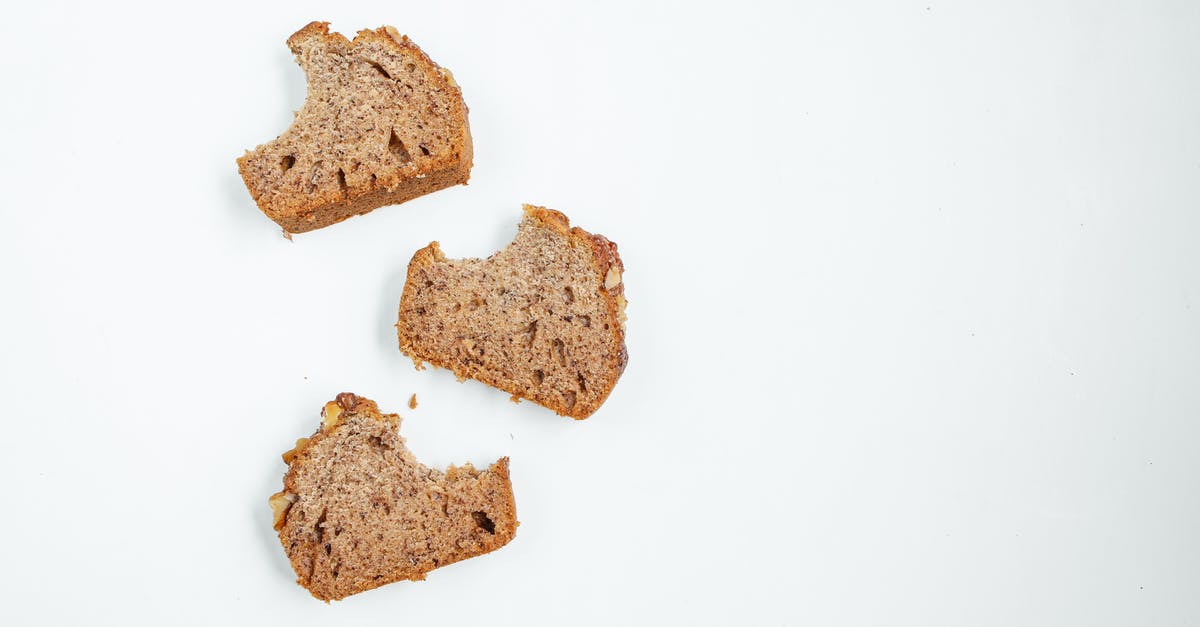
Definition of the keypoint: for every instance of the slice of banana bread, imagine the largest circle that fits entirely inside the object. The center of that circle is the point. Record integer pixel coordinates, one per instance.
(382, 124)
(543, 319)
(358, 511)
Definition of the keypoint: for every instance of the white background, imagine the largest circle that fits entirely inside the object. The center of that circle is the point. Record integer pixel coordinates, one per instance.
(914, 313)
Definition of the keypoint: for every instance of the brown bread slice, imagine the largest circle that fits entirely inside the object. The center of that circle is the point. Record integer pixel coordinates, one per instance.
(382, 124)
(358, 511)
(543, 319)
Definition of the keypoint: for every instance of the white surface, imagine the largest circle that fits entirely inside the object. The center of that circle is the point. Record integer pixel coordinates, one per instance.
(914, 313)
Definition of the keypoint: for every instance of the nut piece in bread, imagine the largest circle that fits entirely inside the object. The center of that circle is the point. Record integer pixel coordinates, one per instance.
(358, 511)
(382, 124)
(543, 319)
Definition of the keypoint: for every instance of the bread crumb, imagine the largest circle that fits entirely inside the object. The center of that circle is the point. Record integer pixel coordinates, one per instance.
(286, 235)
(412, 402)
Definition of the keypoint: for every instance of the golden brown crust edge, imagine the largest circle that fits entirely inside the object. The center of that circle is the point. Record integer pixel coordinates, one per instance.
(317, 211)
(328, 210)
(606, 259)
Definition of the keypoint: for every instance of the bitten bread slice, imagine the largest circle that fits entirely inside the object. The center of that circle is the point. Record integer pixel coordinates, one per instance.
(358, 511)
(382, 124)
(543, 319)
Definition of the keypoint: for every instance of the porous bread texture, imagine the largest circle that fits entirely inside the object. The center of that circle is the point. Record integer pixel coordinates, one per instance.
(382, 124)
(543, 319)
(358, 511)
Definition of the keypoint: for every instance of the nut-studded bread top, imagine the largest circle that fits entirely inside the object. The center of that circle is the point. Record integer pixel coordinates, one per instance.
(543, 319)
(358, 511)
(382, 124)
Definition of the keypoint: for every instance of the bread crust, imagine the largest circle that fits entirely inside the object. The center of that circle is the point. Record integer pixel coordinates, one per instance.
(605, 258)
(332, 203)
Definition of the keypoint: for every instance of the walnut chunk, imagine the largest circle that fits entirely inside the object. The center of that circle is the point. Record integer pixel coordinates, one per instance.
(613, 278)
(288, 456)
(280, 503)
(331, 415)
(394, 34)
